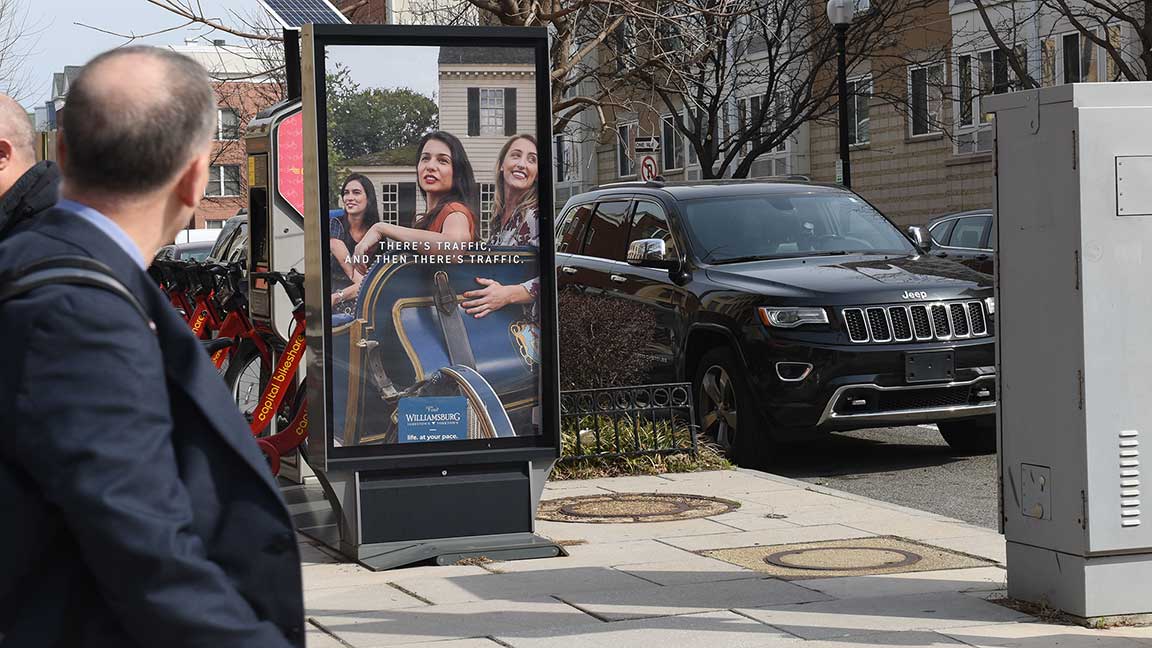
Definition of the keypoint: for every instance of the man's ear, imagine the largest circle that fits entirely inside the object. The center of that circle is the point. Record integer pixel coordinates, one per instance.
(61, 151)
(5, 154)
(193, 180)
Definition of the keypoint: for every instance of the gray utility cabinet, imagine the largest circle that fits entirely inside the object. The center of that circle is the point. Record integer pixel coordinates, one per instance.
(1073, 212)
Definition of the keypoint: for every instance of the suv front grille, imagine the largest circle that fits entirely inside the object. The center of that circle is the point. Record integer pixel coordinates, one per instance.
(917, 322)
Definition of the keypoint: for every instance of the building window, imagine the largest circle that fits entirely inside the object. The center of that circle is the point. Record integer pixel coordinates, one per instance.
(491, 111)
(1079, 60)
(625, 142)
(390, 202)
(672, 144)
(223, 181)
(487, 201)
(926, 98)
(567, 153)
(214, 224)
(227, 124)
(987, 73)
(859, 97)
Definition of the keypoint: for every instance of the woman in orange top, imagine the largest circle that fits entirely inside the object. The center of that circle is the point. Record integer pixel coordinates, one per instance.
(446, 180)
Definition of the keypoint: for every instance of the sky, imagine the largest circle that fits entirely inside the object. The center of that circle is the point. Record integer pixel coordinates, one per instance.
(63, 40)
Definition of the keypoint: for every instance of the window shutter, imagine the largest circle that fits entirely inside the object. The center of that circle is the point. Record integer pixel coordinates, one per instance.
(406, 203)
(510, 111)
(473, 112)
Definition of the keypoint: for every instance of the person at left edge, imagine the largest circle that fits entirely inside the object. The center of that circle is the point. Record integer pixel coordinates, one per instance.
(138, 510)
(27, 188)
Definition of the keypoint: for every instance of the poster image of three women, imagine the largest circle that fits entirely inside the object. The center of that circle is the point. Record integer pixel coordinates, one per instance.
(436, 317)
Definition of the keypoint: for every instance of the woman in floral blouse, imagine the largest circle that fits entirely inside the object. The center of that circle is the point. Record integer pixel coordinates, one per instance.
(515, 209)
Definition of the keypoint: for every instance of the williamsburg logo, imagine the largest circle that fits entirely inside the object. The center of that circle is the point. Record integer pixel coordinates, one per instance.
(434, 415)
(433, 418)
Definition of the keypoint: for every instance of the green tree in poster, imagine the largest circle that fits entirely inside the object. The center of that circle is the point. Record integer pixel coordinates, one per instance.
(364, 121)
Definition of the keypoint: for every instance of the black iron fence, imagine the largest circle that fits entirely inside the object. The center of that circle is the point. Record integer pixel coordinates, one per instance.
(627, 421)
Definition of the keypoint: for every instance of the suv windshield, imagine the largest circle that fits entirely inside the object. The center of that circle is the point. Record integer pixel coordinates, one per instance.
(776, 226)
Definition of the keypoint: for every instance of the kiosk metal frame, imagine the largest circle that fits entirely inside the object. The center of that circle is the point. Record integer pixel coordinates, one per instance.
(404, 503)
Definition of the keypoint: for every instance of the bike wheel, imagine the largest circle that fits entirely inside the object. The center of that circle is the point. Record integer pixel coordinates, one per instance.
(247, 374)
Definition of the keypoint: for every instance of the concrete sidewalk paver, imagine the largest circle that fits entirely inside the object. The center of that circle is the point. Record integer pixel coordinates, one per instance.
(442, 622)
(598, 532)
(860, 616)
(607, 554)
(925, 582)
(913, 639)
(986, 544)
(691, 598)
(359, 598)
(702, 630)
(1046, 635)
(691, 569)
(344, 575)
(562, 579)
(733, 540)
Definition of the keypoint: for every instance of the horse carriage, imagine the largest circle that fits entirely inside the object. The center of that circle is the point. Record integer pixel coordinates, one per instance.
(409, 337)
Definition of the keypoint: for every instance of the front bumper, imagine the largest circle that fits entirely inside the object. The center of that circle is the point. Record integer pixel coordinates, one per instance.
(876, 405)
(861, 386)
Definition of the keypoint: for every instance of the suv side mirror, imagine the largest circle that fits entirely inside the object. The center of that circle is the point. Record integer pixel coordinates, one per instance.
(650, 253)
(921, 237)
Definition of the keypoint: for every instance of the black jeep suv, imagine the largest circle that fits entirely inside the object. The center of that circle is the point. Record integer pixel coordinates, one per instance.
(793, 308)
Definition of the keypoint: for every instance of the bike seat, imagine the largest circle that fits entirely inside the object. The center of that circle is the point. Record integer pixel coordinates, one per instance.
(214, 345)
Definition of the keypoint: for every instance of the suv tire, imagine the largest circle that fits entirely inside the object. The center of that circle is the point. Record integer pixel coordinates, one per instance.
(726, 410)
(970, 436)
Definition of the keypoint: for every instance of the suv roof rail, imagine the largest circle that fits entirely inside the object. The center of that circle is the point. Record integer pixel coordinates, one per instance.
(656, 182)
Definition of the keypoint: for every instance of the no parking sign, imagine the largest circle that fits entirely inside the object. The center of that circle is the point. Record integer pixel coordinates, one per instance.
(648, 168)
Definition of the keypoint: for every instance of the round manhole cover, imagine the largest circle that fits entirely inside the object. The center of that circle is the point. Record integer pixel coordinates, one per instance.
(843, 558)
(633, 507)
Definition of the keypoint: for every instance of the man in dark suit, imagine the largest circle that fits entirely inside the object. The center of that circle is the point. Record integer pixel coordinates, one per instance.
(137, 508)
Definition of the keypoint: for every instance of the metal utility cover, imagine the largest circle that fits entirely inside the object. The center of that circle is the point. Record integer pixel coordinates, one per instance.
(1134, 185)
(851, 557)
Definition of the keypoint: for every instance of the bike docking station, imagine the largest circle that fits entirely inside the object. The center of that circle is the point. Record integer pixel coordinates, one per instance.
(1073, 216)
(433, 431)
(275, 161)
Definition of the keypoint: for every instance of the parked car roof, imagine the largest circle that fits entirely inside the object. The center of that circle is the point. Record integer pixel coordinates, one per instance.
(689, 190)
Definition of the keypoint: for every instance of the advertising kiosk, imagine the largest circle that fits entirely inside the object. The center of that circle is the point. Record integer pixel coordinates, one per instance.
(431, 304)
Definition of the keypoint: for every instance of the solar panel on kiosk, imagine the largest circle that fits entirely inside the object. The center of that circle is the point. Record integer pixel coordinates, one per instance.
(293, 14)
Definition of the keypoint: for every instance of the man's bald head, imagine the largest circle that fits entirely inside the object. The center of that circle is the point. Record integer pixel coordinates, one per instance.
(17, 143)
(134, 118)
(17, 128)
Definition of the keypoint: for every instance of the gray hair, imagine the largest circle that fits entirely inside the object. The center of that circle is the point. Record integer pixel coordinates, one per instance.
(131, 135)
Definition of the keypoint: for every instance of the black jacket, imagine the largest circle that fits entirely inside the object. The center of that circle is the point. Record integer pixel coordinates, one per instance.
(37, 191)
(139, 509)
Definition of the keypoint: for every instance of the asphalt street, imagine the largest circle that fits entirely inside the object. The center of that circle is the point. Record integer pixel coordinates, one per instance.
(910, 466)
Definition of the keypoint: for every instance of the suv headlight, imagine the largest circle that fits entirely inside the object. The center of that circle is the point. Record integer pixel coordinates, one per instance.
(792, 317)
(990, 305)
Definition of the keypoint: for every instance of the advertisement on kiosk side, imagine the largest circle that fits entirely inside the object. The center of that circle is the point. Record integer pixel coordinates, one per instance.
(432, 241)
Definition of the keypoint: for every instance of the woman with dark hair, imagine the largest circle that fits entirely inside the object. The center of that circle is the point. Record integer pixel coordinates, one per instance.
(360, 214)
(517, 224)
(448, 185)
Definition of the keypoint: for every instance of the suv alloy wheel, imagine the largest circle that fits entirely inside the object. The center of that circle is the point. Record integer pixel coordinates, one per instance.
(726, 411)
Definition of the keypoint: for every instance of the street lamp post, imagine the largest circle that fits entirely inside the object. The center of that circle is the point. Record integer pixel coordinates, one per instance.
(840, 15)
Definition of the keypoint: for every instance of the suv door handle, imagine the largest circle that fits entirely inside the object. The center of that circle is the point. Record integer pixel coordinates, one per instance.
(568, 270)
(618, 279)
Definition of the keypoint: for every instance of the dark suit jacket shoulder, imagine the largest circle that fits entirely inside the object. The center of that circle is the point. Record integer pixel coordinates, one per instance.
(147, 514)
